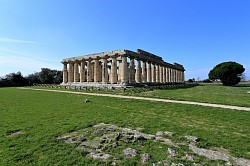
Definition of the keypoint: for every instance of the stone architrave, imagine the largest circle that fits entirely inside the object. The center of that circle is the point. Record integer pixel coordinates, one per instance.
(65, 73)
(131, 71)
(113, 72)
(82, 71)
(71, 72)
(144, 72)
(138, 72)
(105, 71)
(149, 73)
(124, 70)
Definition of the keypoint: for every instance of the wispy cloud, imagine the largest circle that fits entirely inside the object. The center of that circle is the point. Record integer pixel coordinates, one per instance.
(9, 40)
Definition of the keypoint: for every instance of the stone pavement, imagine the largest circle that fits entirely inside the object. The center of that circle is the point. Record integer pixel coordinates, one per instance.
(146, 98)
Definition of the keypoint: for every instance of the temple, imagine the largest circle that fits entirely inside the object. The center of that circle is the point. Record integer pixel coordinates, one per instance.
(118, 68)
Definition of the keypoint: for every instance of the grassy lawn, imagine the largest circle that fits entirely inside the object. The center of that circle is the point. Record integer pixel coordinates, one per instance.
(218, 94)
(43, 116)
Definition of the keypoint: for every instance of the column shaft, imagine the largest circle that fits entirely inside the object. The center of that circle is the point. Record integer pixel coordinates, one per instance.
(131, 71)
(124, 70)
(71, 72)
(105, 71)
(161, 74)
(89, 71)
(157, 71)
(138, 71)
(113, 72)
(65, 73)
(82, 71)
(144, 72)
(153, 73)
(149, 73)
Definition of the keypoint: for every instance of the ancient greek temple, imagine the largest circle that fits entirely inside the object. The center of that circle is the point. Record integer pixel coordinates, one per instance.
(120, 68)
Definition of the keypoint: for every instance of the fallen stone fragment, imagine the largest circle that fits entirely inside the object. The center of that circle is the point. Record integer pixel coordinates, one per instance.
(145, 157)
(168, 133)
(166, 163)
(172, 152)
(130, 153)
(188, 157)
(213, 155)
(192, 138)
(159, 134)
(101, 156)
(87, 100)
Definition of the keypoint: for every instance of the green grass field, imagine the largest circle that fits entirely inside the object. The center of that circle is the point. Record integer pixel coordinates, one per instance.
(43, 116)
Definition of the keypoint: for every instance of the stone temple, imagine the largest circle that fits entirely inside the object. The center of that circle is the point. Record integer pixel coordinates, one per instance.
(118, 69)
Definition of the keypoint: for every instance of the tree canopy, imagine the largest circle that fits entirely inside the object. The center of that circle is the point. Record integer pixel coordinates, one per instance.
(228, 72)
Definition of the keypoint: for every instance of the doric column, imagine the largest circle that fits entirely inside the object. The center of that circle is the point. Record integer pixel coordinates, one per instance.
(138, 71)
(105, 70)
(89, 71)
(144, 72)
(149, 73)
(124, 70)
(153, 73)
(131, 71)
(65, 72)
(76, 71)
(170, 75)
(96, 70)
(161, 74)
(157, 73)
(71, 72)
(82, 71)
(113, 72)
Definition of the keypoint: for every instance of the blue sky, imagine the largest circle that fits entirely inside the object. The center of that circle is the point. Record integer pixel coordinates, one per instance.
(196, 33)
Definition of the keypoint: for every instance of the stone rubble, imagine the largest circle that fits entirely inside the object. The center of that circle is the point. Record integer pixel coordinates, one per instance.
(99, 139)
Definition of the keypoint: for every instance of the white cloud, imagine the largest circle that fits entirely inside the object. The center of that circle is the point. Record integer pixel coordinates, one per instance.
(9, 40)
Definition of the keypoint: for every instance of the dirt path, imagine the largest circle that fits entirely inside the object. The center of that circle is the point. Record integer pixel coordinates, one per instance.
(149, 99)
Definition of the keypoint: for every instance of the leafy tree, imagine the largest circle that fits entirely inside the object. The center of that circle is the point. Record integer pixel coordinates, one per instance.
(48, 76)
(33, 78)
(228, 72)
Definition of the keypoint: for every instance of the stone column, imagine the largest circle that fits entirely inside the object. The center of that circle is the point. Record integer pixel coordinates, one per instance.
(65, 72)
(157, 73)
(149, 73)
(89, 71)
(170, 75)
(144, 72)
(71, 72)
(124, 70)
(131, 71)
(96, 70)
(105, 70)
(138, 71)
(153, 73)
(161, 74)
(113, 72)
(82, 71)
(76, 71)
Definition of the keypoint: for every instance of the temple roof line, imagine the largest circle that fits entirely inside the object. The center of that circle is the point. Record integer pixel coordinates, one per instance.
(140, 54)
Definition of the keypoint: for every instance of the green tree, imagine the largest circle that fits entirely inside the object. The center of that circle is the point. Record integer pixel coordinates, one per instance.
(48, 76)
(228, 72)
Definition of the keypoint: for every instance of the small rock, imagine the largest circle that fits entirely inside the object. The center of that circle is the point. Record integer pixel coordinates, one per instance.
(157, 164)
(188, 157)
(130, 153)
(87, 100)
(192, 138)
(179, 164)
(138, 136)
(168, 133)
(159, 134)
(166, 163)
(98, 131)
(172, 152)
(112, 128)
(117, 136)
(145, 157)
(101, 156)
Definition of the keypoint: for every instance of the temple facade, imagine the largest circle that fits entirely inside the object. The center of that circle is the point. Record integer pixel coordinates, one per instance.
(120, 68)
